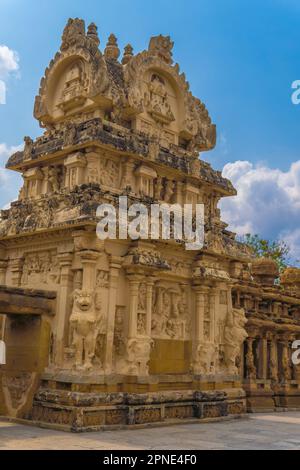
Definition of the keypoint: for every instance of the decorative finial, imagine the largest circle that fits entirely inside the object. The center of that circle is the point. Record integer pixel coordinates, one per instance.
(162, 46)
(112, 51)
(92, 33)
(74, 33)
(128, 54)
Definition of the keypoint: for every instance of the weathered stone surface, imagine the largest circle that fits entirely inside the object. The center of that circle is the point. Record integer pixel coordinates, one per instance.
(131, 331)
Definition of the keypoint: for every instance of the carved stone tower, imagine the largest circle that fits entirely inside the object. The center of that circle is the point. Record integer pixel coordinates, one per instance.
(142, 331)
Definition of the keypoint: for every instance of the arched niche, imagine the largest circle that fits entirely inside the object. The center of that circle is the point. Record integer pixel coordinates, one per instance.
(68, 87)
(163, 106)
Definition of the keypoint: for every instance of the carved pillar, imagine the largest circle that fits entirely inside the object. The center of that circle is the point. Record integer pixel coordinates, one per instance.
(138, 345)
(75, 165)
(285, 361)
(134, 282)
(63, 302)
(274, 360)
(150, 284)
(115, 265)
(250, 366)
(212, 311)
(200, 292)
(88, 260)
(16, 269)
(145, 178)
(33, 182)
(3, 268)
(128, 176)
(263, 358)
(179, 192)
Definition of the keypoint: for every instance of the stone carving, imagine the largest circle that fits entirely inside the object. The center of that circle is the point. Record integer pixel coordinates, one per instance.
(102, 279)
(250, 366)
(286, 364)
(170, 315)
(146, 257)
(28, 148)
(54, 178)
(74, 91)
(128, 54)
(85, 323)
(205, 358)
(134, 128)
(112, 51)
(234, 336)
(109, 173)
(16, 388)
(69, 134)
(138, 355)
(40, 268)
(119, 336)
(141, 314)
(157, 102)
(169, 191)
(162, 47)
(74, 34)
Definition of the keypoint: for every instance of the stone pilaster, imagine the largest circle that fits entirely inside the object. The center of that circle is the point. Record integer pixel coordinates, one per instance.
(63, 303)
(212, 312)
(274, 360)
(263, 358)
(198, 338)
(115, 266)
(16, 269)
(3, 268)
(75, 165)
(134, 283)
(149, 284)
(88, 260)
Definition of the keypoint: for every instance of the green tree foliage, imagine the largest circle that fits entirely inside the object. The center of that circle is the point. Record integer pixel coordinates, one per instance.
(278, 250)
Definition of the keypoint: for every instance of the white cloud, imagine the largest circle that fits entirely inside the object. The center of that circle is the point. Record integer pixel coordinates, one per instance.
(268, 202)
(2, 92)
(9, 64)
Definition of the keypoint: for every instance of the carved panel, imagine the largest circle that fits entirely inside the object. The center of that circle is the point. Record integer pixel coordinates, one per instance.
(170, 317)
(41, 268)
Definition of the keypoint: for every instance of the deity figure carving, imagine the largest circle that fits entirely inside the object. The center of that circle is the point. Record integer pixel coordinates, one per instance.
(119, 335)
(74, 33)
(27, 155)
(69, 134)
(234, 336)
(169, 191)
(250, 366)
(109, 173)
(158, 187)
(16, 388)
(85, 323)
(156, 100)
(205, 357)
(162, 46)
(141, 315)
(138, 355)
(93, 174)
(54, 178)
(169, 319)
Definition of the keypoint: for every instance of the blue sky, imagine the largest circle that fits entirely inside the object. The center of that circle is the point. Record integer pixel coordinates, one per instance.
(240, 57)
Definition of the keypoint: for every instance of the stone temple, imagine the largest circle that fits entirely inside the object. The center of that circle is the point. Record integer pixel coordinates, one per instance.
(122, 332)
